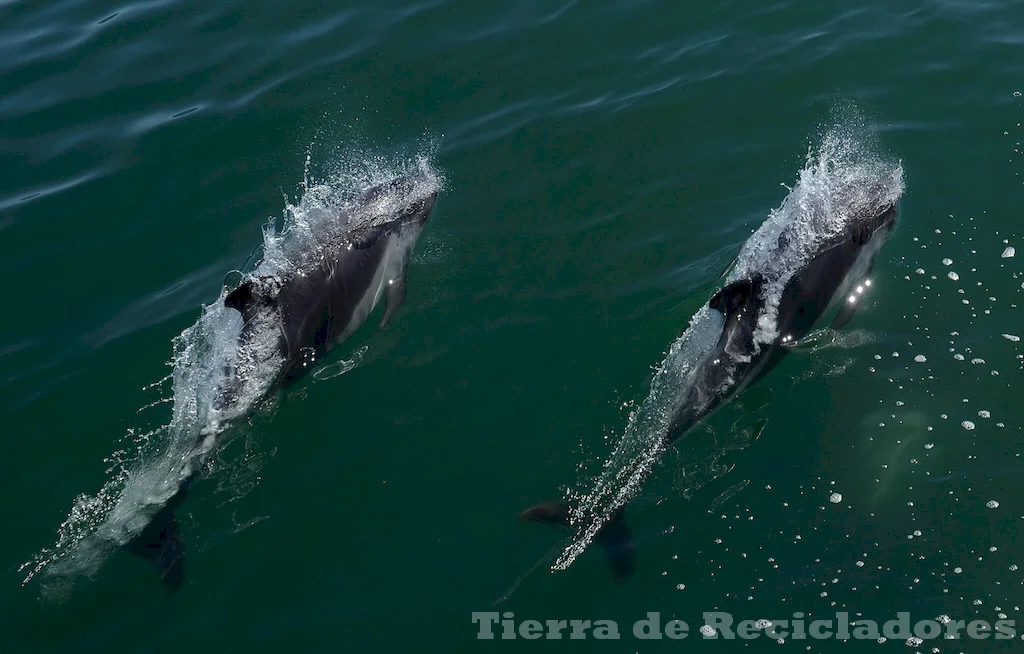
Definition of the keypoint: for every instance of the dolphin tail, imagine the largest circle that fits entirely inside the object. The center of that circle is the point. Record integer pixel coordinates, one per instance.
(617, 543)
(552, 512)
(614, 536)
(161, 542)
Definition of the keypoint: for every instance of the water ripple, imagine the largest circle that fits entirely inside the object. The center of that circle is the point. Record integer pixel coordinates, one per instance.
(47, 190)
(313, 30)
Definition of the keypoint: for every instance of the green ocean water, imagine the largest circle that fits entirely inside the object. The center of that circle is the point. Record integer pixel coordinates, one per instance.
(603, 163)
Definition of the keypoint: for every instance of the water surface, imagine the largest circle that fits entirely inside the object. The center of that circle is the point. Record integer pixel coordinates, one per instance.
(604, 162)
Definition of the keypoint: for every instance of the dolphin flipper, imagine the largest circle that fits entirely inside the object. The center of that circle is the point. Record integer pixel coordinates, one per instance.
(847, 308)
(614, 537)
(395, 297)
(846, 312)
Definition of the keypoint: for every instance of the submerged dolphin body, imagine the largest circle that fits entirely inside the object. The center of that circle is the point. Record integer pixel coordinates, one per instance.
(785, 279)
(338, 271)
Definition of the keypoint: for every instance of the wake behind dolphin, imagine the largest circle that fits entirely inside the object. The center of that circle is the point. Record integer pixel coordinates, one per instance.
(340, 253)
(819, 245)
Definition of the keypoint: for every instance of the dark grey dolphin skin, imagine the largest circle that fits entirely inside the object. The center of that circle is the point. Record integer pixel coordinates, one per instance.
(735, 363)
(316, 307)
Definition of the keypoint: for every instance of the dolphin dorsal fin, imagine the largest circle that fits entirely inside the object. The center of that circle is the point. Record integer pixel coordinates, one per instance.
(239, 298)
(732, 297)
(263, 288)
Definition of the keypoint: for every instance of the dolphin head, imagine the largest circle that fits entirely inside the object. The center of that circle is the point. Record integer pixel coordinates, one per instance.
(406, 200)
(883, 217)
(418, 211)
(871, 211)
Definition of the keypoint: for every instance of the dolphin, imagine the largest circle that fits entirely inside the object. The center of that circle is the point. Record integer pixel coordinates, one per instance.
(811, 257)
(338, 272)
